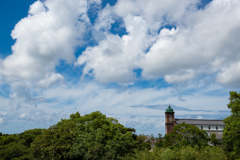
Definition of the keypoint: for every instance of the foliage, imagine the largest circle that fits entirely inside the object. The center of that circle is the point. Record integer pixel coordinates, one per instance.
(231, 132)
(141, 144)
(92, 136)
(185, 135)
(27, 137)
(144, 146)
(102, 138)
(16, 146)
(213, 140)
(55, 142)
(141, 138)
(181, 153)
(13, 150)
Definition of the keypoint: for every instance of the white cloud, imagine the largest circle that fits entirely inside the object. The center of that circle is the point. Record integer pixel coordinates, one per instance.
(66, 99)
(87, 98)
(50, 33)
(105, 19)
(45, 37)
(200, 44)
(2, 116)
(51, 79)
(155, 12)
(36, 7)
(201, 38)
(115, 57)
(24, 93)
(181, 77)
(230, 75)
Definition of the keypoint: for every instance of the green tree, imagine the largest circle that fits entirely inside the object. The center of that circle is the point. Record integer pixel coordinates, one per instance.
(27, 137)
(100, 137)
(231, 132)
(55, 142)
(92, 136)
(185, 135)
(12, 148)
(160, 142)
(141, 145)
(214, 140)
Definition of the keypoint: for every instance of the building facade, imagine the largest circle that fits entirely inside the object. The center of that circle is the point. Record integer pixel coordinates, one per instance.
(211, 126)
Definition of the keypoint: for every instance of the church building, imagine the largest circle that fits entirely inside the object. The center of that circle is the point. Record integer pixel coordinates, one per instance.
(211, 126)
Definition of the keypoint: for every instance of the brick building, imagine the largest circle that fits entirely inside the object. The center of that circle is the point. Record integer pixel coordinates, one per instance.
(211, 126)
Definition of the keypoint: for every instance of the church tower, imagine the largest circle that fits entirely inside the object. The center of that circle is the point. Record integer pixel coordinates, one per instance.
(169, 120)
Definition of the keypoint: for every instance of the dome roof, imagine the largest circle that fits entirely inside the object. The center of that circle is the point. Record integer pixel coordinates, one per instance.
(169, 109)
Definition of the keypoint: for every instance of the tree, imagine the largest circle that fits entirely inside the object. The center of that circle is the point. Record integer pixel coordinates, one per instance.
(12, 148)
(92, 136)
(231, 132)
(55, 142)
(185, 135)
(160, 142)
(27, 137)
(141, 145)
(100, 137)
(214, 141)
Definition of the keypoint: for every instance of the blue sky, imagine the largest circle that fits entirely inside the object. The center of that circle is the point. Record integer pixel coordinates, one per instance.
(126, 58)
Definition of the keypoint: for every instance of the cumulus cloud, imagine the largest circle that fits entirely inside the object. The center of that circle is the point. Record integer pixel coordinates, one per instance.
(115, 57)
(105, 19)
(36, 8)
(51, 32)
(199, 42)
(155, 12)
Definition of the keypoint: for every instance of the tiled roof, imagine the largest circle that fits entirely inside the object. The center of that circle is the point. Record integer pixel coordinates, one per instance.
(201, 122)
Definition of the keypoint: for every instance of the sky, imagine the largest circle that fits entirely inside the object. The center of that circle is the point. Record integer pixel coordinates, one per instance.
(128, 59)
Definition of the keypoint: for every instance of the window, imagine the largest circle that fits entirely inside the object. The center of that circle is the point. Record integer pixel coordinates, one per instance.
(212, 127)
(170, 118)
(199, 126)
(220, 127)
(205, 127)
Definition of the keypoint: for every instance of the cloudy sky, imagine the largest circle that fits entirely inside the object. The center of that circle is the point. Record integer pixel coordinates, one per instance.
(126, 58)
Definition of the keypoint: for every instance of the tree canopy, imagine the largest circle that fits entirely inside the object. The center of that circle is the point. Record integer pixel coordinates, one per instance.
(186, 135)
(16, 146)
(231, 132)
(92, 136)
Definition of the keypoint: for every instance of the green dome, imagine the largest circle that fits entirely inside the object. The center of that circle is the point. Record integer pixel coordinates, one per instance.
(169, 109)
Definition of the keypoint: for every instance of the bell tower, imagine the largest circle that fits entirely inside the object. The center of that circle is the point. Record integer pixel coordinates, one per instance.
(169, 120)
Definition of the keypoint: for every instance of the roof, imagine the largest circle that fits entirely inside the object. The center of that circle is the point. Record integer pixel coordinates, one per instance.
(201, 122)
(169, 109)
